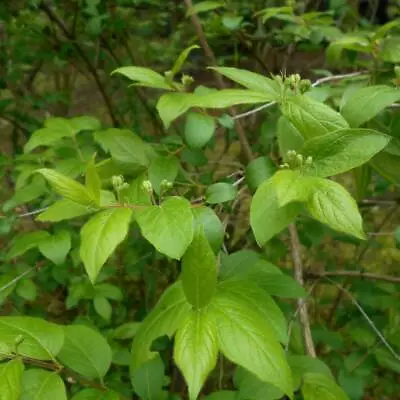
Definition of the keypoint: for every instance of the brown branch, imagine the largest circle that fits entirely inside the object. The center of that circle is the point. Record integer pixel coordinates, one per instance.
(60, 23)
(301, 303)
(353, 274)
(213, 61)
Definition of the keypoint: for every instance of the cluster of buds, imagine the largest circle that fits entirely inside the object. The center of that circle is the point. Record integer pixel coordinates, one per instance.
(119, 183)
(147, 187)
(295, 83)
(295, 161)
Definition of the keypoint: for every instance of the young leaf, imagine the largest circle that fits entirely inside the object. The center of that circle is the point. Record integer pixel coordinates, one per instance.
(365, 103)
(312, 118)
(182, 58)
(317, 386)
(162, 168)
(164, 319)
(26, 241)
(92, 181)
(10, 379)
(125, 147)
(85, 351)
(62, 210)
(196, 350)
(199, 271)
(252, 81)
(102, 307)
(144, 77)
(168, 227)
(206, 219)
(203, 6)
(148, 380)
(246, 339)
(220, 192)
(68, 188)
(26, 289)
(199, 129)
(258, 171)
(100, 236)
(40, 339)
(56, 247)
(38, 384)
(267, 218)
(331, 204)
(342, 150)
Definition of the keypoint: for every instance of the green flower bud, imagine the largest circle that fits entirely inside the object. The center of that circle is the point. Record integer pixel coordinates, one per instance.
(18, 340)
(187, 80)
(285, 165)
(117, 181)
(308, 160)
(299, 159)
(147, 186)
(165, 185)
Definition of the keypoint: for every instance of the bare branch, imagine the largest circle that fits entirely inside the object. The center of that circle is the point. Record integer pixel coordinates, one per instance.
(354, 274)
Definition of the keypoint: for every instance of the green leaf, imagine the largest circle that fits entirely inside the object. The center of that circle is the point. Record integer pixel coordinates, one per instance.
(204, 6)
(148, 380)
(220, 192)
(352, 383)
(11, 379)
(38, 384)
(144, 77)
(85, 351)
(386, 360)
(196, 350)
(40, 339)
(109, 291)
(246, 338)
(165, 318)
(238, 263)
(162, 168)
(267, 218)
(27, 290)
(388, 165)
(168, 227)
(62, 210)
(124, 146)
(252, 81)
(182, 58)
(390, 49)
(199, 271)
(365, 103)
(317, 386)
(92, 181)
(312, 118)
(258, 171)
(56, 247)
(212, 226)
(68, 188)
(199, 129)
(95, 394)
(222, 395)
(26, 241)
(102, 307)
(136, 194)
(126, 331)
(331, 204)
(84, 123)
(100, 236)
(289, 138)
(350, 42)
(342, 150)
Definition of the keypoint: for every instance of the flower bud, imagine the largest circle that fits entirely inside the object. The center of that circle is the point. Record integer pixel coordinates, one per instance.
(308, 160)
(165, 185)
(299, 159)
(187, 80)
(147, 186)
(117, 181)
(18, 340)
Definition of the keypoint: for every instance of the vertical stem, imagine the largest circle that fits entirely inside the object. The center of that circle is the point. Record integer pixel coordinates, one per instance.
(301, 303)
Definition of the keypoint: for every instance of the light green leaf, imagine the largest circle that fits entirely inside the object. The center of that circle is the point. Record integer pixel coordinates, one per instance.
(196, 350)
(84, 123)
(331, 204)
(85, 351)
(100, 236)
(258, 171)
(182, 58)
(26, 289)
(38, 384)
(317, 386)
(388, 165)
(199, 271)
(56, 247)
(144, 77)
(92, 181)
(136, 194)
(342, 150)
(124, 146)
(172, 105)
(212, 226)
(10, 379)
(109, 291)
(126, 331)
(220, 192)
(68, 188)
(238, 263)
(267, 218)
(349, 42)
(26, 241)
(95, 394)
(246, 338)
(102, 307)
(199, 129)
(204, 6)
(168, 227)
(312, 118)
(252, 81)
(62, 210)
(390, 49)
(165, 318)
(148, 380)
(162, 168)
(41, 339)
(365, 103)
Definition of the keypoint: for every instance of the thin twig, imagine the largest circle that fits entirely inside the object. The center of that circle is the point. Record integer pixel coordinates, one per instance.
(301, 303)
(16, 279)
(354, 274)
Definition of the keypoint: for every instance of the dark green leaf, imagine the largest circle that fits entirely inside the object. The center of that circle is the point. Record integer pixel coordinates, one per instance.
(199, 129)
(258, 171)
(220, 192)
(26, 241)
(163, 168)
